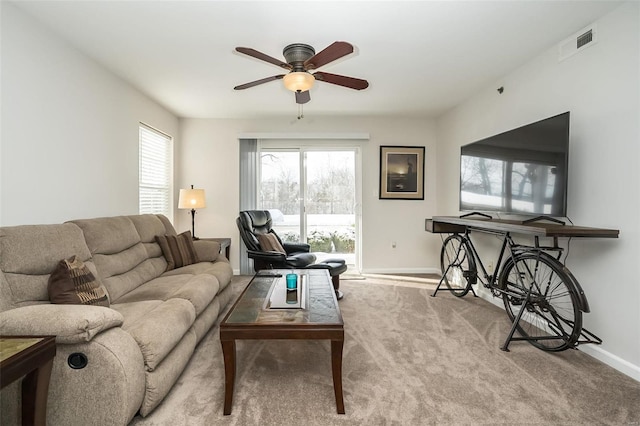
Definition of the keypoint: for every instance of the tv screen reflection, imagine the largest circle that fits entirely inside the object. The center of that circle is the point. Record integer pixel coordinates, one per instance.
(512, 186)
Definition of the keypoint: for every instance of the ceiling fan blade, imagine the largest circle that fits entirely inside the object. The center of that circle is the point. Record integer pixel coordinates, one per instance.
(257, 82)
(341, 80)
(303, 97)
(259, 55)
(335, 51)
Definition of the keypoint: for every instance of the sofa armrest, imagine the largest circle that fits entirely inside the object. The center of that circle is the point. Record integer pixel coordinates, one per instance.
(206, 250)
(69, 323)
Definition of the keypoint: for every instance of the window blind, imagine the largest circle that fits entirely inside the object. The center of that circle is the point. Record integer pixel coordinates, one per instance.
(155, 172)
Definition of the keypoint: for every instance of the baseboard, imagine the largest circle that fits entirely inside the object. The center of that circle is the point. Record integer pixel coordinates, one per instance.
(595, 351)
(612, 360)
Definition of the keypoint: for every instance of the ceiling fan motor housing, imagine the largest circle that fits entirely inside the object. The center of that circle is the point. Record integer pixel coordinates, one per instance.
(296, 54)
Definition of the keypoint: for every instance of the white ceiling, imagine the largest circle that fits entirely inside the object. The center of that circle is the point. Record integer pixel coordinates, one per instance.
(420, 58)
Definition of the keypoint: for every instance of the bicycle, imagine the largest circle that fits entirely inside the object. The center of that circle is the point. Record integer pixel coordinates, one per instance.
(542, 298)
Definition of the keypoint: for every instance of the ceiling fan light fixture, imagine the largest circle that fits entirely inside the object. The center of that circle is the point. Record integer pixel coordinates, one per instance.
(298, 81)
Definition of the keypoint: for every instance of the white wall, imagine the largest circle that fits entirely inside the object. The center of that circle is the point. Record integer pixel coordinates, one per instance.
(69, 137)
(209, 159)
(601, 88)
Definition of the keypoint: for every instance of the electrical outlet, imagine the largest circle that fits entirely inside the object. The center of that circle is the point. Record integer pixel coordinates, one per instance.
(393, 244)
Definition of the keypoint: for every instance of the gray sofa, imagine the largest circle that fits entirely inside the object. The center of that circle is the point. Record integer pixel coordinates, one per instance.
(135, 349)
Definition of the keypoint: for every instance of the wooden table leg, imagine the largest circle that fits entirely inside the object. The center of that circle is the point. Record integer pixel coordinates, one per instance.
(336, 367)
(229, 354)
(35, 389)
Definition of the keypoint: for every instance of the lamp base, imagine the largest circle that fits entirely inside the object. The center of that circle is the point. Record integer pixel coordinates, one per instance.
(193, 225)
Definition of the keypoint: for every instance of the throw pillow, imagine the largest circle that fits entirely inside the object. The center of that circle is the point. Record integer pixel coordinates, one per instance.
(71, 282)
(269, 242)
(178, 250)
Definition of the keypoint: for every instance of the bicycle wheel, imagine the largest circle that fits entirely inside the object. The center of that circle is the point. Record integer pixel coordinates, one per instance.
(552, 318)
(457, 264)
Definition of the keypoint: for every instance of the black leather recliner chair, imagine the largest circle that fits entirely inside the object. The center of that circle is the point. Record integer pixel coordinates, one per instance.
(252, 223)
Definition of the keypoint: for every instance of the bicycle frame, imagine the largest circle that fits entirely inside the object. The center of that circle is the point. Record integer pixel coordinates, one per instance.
(508, 245)
(489, 280)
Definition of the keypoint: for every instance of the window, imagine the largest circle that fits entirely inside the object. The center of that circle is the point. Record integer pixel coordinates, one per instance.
(155, 172)
(312, 191)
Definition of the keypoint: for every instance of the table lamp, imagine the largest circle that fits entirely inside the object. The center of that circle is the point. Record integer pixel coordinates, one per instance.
(192, 199)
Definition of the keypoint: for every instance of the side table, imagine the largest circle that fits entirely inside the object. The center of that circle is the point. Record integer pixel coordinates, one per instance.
(225, 244)
(31, 357)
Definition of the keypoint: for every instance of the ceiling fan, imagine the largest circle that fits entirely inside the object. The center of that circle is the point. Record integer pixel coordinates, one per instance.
(300, 59)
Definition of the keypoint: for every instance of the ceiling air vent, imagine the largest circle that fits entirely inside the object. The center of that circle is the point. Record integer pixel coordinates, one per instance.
(584, 39)
(577, 42)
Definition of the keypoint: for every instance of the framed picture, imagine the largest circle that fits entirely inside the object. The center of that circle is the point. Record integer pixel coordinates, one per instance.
(402, 173)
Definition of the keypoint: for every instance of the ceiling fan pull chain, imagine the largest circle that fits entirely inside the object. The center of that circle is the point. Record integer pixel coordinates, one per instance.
(300, 112)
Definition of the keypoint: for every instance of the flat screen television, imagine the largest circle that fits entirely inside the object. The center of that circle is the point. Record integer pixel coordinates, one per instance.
(522, 171)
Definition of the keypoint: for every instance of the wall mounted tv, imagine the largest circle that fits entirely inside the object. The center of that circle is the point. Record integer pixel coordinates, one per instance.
(521, 171)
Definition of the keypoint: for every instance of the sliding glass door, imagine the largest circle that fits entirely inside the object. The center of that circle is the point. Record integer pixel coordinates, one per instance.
(312, 194)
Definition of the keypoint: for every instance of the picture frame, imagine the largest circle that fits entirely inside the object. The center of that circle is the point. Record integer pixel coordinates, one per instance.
(402, 172)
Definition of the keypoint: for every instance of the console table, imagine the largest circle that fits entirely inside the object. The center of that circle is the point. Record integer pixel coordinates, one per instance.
(31, 357)
(453, 224)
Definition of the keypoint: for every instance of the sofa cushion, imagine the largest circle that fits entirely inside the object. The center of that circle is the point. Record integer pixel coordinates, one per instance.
(108, 235)
(220, 269)
(160, 381)
(178, 249)
(124, 271)
(71, 282)
(148, 226)
(269, 242)
(160, 330)
(199, 290)
(134, 311)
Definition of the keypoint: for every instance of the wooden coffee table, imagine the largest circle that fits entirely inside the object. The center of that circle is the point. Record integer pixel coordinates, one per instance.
(249, 318)
(31, 357)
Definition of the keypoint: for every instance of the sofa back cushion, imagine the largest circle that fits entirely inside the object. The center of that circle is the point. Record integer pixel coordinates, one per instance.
(148, 227)
(124, 250)
(29, 254)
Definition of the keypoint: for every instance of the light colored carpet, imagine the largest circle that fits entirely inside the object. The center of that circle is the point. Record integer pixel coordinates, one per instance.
(409, 359)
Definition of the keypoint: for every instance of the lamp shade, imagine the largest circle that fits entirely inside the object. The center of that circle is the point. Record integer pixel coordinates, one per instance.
(301, 81)
(192, 199)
